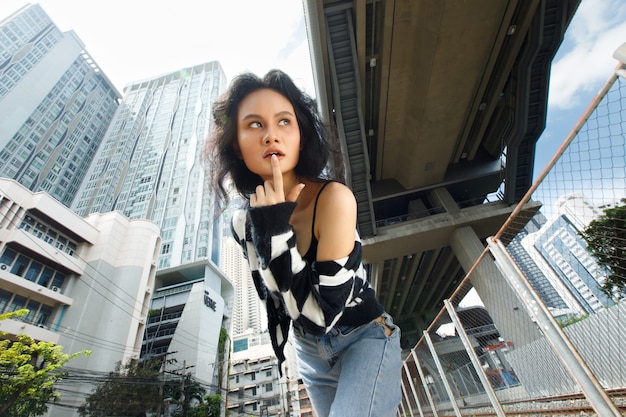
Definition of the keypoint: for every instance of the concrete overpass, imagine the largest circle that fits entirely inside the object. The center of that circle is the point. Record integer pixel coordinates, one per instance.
(438, 105)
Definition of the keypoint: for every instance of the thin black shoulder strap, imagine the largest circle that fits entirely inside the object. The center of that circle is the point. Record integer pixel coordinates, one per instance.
(315, 207)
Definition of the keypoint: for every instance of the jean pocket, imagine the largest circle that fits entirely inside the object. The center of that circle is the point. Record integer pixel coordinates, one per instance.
(386, 322)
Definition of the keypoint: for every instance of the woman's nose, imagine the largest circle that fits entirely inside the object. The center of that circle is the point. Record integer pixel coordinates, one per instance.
(269, 137)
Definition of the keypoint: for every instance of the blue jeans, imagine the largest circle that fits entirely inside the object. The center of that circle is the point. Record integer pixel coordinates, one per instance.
(352, 371)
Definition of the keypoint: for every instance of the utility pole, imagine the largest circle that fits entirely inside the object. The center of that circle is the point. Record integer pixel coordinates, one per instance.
(165, 362)
(185, 376)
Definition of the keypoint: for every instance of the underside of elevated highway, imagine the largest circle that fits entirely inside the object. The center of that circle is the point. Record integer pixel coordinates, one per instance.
(438, 105)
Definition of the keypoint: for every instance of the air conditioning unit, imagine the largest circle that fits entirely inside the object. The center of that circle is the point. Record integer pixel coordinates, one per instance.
(4, 267)
(56, 289)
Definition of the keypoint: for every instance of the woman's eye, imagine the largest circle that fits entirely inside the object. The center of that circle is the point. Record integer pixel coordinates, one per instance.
(256, 124)
(284, 122)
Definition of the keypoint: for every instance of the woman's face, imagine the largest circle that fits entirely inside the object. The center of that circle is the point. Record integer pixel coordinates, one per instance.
(267, 125)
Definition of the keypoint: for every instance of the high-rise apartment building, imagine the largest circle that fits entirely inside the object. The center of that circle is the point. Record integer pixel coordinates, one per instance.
(151, 165)
(55, 104)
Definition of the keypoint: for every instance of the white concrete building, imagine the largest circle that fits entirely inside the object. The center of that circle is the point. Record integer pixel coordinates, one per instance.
(151, 166)
(86, 282)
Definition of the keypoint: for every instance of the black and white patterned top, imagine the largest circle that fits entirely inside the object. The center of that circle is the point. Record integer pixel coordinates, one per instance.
(314, 295)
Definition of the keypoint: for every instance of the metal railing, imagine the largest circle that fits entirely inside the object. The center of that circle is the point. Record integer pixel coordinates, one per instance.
(537, 325)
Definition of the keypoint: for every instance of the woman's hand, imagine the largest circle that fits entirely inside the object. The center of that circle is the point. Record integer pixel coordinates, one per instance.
(272, 192)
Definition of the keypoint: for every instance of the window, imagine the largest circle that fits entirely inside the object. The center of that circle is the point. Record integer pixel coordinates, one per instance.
(58, 280)
(33, 307)
(43, 315)
(20, 265)
(269, 387)
(33, 271)
(5, 297)
(46, 276)
(17, 303)
(8, 256)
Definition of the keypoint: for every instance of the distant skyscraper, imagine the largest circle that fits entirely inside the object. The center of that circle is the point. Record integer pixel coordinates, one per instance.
(532, 272)
(562, 255)
(150, 164)
(55, 104)
(247, 311)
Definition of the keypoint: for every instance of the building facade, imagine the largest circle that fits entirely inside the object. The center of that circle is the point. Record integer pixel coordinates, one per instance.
(188, 311)
(55, 104)
(247, 310)
(561, 255)
(151, 165)
(255, 385)
(85, 282)
(542, 285)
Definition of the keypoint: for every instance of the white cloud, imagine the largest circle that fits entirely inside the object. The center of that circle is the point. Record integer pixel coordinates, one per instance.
(586, 59)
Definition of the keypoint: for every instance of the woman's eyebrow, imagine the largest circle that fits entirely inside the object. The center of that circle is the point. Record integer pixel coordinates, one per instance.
(284, 113)
(256, 116)
(251, 116)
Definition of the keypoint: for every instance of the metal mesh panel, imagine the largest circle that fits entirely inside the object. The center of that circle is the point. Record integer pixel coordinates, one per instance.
(539, 321)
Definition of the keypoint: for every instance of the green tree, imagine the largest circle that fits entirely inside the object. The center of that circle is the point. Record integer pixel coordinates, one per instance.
(28, 371)
(606, 241)
(222, 357)
(131, 390)
(208, 407)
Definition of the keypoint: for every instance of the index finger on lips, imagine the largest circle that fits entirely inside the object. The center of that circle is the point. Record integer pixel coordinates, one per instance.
(277, 174)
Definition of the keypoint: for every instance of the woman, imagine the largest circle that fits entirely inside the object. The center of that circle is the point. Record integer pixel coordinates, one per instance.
(299, 236)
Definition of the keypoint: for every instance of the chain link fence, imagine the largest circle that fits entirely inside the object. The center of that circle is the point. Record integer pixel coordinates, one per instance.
(538, 324)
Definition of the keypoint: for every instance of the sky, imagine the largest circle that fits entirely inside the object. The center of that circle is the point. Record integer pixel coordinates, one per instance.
(582, 65)
(132, 40)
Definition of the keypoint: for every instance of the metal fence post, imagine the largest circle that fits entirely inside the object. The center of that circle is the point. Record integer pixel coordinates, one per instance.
(560, 343)
(423, 378)
(417, 401)
(444, 379)
(491, 394)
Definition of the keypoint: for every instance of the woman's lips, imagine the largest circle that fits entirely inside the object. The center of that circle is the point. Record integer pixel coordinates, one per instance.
(270, 153)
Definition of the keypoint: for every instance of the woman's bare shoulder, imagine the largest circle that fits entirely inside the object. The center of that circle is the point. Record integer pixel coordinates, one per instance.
(336, 200)
(336, 193)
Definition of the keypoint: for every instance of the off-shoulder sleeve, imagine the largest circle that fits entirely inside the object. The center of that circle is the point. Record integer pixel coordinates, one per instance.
(315, 295)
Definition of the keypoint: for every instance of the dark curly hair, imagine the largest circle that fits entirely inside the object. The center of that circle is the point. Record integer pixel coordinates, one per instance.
(224, 160)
